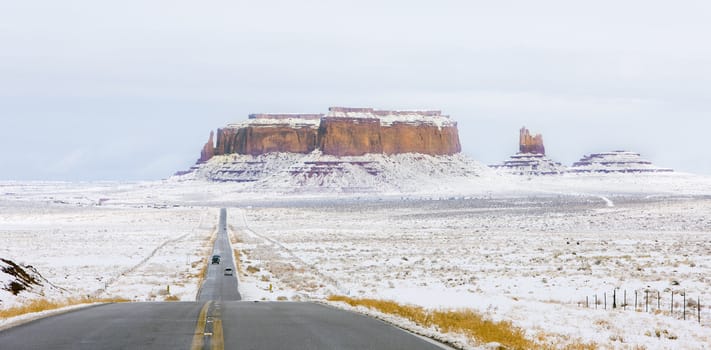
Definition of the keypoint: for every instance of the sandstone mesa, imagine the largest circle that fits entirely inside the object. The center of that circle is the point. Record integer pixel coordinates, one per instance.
(342, 132)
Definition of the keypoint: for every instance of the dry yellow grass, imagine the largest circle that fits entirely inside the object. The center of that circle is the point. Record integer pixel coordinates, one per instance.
(202, 274)
(238, 261)
(466, 322)
(203, 263)
(171, 298)
(238, 255)
(233, 235)
(44, 305)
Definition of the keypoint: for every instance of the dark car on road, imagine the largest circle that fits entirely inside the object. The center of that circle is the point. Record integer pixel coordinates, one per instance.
(215, 259)
(228, 272)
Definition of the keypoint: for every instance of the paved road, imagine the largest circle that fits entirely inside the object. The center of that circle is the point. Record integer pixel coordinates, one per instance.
(216, 321)
(111, 326)
(285, 325)
(217, 286)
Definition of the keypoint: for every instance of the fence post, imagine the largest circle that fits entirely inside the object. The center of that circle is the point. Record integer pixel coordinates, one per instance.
(698, 308)
(595, 301)
(684, 313)
(614, 298)
(604, 296)
(635, 300)
(624, 305)
(672, 303)
(658, 301)
(646, 300)
(586, 302)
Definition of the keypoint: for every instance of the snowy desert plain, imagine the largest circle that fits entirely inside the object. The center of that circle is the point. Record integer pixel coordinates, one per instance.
(535, 251)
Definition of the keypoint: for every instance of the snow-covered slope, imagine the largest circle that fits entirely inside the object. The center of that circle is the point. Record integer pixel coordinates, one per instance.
(18, 282)
(293, 172)
(530, 164)
(615, 162)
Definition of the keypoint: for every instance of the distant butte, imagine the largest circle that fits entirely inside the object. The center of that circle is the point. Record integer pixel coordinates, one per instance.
(531, 158)
(530, 144)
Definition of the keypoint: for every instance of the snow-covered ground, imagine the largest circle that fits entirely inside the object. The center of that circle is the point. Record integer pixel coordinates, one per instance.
(532, 261)
(88, 250)
(528, 250)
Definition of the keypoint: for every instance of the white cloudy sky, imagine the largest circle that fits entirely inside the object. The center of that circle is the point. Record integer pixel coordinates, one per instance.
(125, 90)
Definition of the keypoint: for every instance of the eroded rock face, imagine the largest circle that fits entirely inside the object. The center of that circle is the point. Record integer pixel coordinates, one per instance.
(260, 139)
(226, 142)
(420, 138)
(208, 151)
(343, 132)
(530, 144)
(349, 136)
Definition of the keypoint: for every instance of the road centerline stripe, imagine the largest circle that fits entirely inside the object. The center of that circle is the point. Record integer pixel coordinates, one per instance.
(199, 335)
(217, 342)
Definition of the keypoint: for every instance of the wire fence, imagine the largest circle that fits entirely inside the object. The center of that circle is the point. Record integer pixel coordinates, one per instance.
(673, 303)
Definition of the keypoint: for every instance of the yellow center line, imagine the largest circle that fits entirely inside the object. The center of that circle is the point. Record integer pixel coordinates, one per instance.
(217, 342)
(200, 328)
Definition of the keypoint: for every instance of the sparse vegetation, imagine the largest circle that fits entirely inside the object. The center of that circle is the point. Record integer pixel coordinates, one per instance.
(45, 304)
(238, 255)
(574, 346)
(171, 298)
(233, 236)
(467, 322)
(561, 342)
(238, 262)
(203, 263)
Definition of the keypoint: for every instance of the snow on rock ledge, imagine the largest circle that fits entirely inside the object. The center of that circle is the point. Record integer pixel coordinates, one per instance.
(615, 162)
(530, 164)
(294, 172)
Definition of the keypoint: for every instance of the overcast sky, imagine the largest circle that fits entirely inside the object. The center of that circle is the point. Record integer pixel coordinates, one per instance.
(129, 90)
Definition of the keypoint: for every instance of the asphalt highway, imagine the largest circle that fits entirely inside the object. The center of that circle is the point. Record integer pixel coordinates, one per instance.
(287, 325)
(111, 326)
(218, 320)
(217, 285)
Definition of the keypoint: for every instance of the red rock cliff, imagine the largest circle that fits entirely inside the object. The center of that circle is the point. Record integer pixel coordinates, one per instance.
(530, 144)
(208, 151)
(345, 132)
(420, 138)
(260, 139)
(350, 136)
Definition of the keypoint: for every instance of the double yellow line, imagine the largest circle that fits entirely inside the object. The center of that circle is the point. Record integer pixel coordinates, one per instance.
(217, 341)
